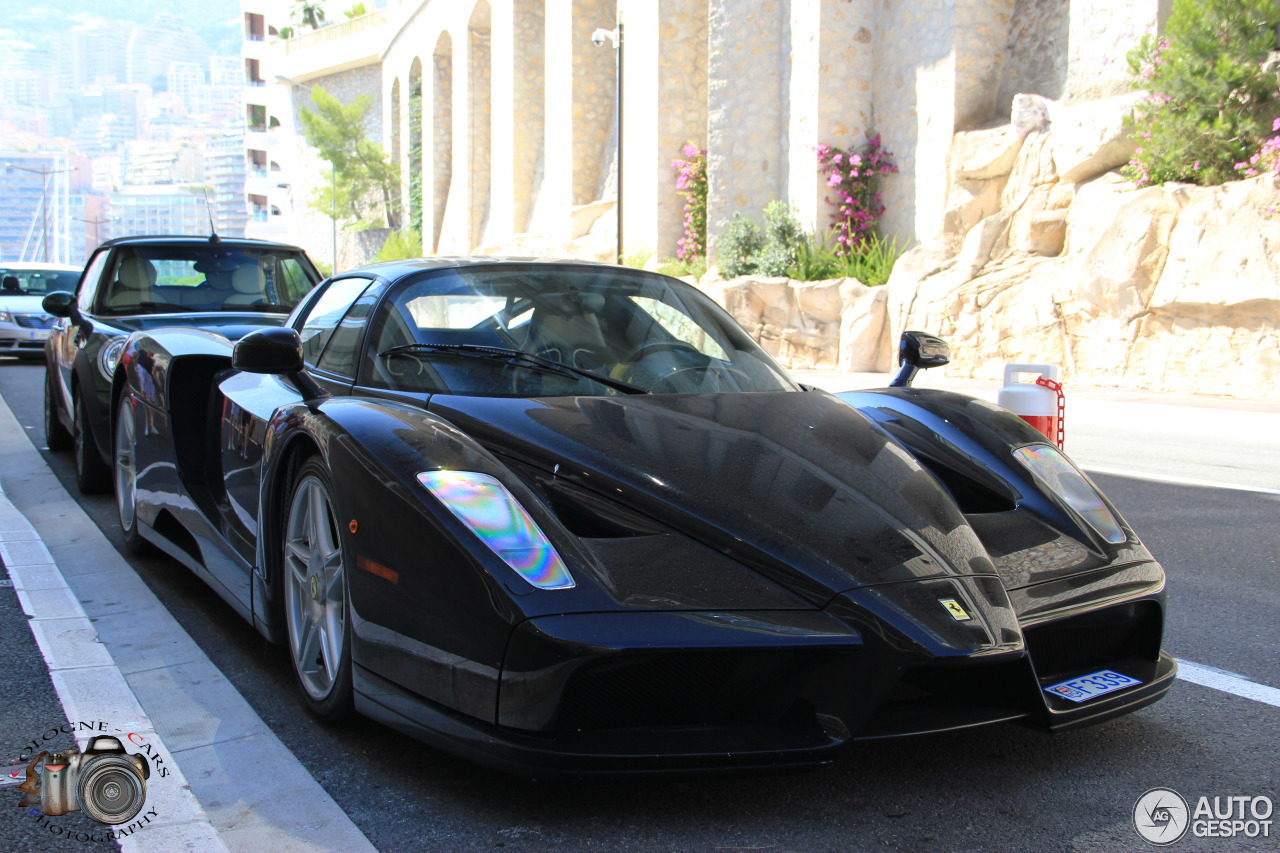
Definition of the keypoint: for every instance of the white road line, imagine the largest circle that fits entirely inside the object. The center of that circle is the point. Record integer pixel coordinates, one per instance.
(1227, 682)
(1180, 481)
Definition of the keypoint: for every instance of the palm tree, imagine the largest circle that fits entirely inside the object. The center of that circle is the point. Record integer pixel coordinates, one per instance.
(309, 14)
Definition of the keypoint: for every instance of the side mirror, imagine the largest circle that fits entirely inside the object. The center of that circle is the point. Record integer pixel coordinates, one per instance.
(59, 303)
(277, 351)
(919, 351)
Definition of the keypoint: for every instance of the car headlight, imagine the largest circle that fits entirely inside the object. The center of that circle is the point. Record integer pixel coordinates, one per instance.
(1056, 475)
(109, 355)
(497, 519)
(6, 317)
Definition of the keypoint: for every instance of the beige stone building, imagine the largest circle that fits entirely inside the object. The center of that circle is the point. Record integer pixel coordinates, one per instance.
(519, 119)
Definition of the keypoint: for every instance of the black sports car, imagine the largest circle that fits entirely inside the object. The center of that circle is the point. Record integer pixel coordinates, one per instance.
(568, 517)
(131, 283)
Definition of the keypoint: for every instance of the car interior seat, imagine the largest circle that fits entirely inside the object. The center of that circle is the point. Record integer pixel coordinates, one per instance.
(246, 284)
(11, 285)
(567, 328)
(134, 279)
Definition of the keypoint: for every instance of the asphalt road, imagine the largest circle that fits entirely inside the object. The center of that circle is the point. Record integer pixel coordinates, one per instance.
(999, 788)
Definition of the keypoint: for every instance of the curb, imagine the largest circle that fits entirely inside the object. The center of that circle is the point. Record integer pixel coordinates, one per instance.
(115, 653)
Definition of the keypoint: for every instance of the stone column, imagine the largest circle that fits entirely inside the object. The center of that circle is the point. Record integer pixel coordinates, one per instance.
(747, 87)
(500, 223)
(982, 36)
(914, 100)
(579, 113)
(528, 106)
(665, 106)
(833, 59)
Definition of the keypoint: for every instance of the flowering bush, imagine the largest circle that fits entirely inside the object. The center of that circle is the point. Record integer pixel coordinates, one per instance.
(1267, 158)
(855, 177)
(1210, 93)
(691, 182)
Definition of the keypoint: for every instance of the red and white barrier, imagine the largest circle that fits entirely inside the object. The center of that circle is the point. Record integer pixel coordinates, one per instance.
(1040, 403)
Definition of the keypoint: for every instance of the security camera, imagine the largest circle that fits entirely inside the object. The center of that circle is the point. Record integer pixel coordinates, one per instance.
(599, 37)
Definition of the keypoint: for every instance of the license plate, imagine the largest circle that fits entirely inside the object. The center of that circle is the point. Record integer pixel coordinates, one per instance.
(1086, 687)
(39, 335)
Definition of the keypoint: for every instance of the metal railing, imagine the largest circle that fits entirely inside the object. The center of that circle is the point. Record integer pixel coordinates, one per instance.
(333, 32)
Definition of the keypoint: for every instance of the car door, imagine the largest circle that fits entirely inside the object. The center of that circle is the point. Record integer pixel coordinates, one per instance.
(331, 326)
(66, 337)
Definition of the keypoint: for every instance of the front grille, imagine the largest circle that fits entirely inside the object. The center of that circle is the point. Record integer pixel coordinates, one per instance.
(34, 321)
(685, 688)
(1095, 639)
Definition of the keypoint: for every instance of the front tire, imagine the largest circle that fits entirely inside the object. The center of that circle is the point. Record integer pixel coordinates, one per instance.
(125, 471)
(313, 563)
(56, 435)
(92, 474)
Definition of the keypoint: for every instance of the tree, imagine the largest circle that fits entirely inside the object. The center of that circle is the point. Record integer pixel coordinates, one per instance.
(356, 11)
(309, 14)
(362, 182)
(1211, 95)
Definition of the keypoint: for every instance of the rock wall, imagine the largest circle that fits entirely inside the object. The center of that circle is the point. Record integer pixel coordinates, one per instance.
(1049, 256)
(834, 324)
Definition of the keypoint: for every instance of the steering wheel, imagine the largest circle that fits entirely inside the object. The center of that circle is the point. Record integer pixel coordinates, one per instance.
(646, 348)
(670, 384)
(409, 364)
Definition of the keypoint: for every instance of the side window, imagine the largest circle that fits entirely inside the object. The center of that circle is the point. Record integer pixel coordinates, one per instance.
(339, 356)
(291, 282)
(326, 312)
(89, 281)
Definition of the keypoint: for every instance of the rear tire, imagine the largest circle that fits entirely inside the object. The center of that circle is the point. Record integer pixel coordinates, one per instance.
(314, 576)
(124, 466)
(92, 474)
(56, 435)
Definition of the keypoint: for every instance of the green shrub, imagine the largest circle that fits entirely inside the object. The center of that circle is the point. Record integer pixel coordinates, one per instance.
(400, 245)
(738, 247)
(696, 267)
(1210, 102)
(637, 260)
(872, 262)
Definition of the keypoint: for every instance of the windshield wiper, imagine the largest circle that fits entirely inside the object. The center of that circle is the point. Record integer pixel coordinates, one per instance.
(506, 354)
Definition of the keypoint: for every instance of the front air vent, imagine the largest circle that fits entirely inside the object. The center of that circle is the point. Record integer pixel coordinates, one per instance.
(970, 495)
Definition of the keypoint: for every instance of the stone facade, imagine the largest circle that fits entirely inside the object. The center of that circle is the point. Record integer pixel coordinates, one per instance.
(519, 106)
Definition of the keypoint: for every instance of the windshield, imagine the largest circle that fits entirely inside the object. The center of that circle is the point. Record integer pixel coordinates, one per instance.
(205, 277)
(31, 282)
(613, 331)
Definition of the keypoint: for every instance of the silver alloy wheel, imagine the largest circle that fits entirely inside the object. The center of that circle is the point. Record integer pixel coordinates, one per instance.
(126, 465)
(315, 593)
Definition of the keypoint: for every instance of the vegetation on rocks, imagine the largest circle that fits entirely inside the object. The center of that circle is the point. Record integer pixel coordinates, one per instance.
(1212, 92)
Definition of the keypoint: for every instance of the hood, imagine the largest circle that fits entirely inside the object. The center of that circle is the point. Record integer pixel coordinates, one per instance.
(231, 325)
(796, 485)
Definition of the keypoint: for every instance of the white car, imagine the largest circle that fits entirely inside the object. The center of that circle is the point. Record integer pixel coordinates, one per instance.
(24, 324)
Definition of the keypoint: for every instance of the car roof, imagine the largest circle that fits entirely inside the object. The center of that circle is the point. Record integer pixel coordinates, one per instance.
(193, 239)
(32, 266)
(395, 269)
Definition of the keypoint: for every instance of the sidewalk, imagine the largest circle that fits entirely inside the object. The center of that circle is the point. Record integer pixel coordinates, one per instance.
(115, 654)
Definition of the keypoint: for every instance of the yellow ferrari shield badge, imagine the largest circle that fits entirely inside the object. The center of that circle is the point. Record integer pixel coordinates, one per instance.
(957, 612)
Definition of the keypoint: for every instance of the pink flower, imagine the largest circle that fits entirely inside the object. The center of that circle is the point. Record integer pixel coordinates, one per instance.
(834, 180)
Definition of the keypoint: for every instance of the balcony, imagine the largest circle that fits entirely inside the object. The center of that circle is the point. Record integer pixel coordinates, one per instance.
(336, 47)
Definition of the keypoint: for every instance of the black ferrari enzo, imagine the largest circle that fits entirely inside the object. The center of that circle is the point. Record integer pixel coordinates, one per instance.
(567, 517)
